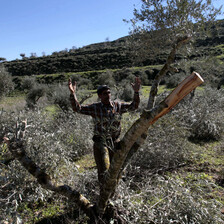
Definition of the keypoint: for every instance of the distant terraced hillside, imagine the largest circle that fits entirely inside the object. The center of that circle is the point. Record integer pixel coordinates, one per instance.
(109, 55)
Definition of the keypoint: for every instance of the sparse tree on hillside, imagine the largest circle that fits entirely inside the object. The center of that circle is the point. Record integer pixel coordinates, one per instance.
(176, 18)
(2, 59)
(23, 55)
(33, 55)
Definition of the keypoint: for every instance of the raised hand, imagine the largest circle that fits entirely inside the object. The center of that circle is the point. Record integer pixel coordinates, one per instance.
(136, 85)
(72, 87)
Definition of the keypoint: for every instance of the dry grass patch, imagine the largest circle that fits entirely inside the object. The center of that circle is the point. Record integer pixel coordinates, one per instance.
(15, 103)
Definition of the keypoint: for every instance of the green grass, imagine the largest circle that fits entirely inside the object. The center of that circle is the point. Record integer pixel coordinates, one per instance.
(201, 176)
(68, 74)
(146, 89)
(32, 213)
(221, 46)
(148, 67)
(202, 183)
(209, 167)
(213, 154)
(12, 103)
(85, 163)
(3, 151)
(220, 57)
(51, 110)
(12, 100)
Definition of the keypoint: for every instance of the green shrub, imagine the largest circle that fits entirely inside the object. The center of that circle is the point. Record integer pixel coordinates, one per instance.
(53, 143)
(6, 83)
(28, 83)
(162, 150)
(85, 83)
(106, 78)
(209, 68)
(82, 82)
(127, 94)
(202, 114)
(17, 82)
(122, 74)
(59, 95)
(174, 80)
(34, 95)
(205, 130)
(207, 111)
(143, 76)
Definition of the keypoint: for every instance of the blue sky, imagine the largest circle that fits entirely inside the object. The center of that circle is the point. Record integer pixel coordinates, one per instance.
(36, 26)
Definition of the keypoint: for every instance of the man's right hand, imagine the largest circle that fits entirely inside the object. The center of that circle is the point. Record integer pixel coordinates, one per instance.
(72, 87)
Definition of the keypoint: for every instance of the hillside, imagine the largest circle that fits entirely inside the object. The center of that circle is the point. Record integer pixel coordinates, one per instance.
(109, 55)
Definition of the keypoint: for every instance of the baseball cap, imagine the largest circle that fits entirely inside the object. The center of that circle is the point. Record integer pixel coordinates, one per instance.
(101, 88)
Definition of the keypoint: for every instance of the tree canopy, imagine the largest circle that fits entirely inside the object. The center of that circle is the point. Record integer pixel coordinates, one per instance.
(178, 16)
(170, 24)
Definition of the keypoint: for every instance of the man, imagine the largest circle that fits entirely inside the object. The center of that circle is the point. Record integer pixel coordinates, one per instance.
(107, 122)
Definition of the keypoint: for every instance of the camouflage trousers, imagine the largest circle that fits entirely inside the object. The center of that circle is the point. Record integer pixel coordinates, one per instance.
(103, 154)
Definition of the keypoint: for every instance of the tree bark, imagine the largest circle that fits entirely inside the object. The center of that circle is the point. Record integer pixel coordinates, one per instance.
(167, 67)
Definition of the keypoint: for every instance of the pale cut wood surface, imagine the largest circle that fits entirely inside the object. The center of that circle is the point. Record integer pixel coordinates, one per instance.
(184, 88)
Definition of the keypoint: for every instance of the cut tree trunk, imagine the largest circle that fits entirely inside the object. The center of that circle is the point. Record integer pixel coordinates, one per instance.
(183, 89)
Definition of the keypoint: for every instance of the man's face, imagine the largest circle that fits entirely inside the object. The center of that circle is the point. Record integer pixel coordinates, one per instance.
(105, 96)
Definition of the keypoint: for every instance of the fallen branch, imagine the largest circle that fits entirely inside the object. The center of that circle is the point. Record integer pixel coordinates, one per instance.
(17, 148)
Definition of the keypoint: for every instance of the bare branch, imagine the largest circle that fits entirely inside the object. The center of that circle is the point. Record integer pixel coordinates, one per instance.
(17, 148)
(85, 98)
(167, 67)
